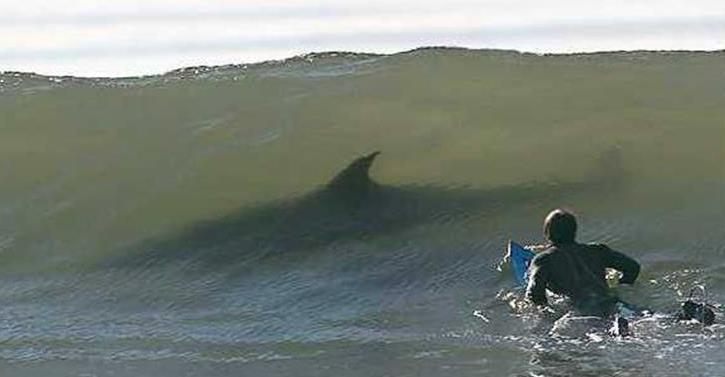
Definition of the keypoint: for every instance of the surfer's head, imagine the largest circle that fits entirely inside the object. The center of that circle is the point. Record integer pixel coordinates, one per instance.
(560, 227)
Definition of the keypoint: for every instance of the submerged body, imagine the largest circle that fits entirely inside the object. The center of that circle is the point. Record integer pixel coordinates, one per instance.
(350, 207)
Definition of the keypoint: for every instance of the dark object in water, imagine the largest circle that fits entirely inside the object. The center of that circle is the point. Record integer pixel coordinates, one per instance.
(350, 207)
(700, 312)
(620, 327)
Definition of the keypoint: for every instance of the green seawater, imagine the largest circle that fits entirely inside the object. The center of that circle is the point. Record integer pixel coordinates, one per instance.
(92, 168)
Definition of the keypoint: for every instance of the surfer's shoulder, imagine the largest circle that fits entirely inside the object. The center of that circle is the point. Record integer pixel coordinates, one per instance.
(543, 257)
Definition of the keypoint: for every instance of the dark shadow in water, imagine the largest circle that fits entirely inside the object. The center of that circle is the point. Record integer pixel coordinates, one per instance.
(352, 207)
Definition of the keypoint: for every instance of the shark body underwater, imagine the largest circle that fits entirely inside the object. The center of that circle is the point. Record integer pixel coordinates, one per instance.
(351, 207)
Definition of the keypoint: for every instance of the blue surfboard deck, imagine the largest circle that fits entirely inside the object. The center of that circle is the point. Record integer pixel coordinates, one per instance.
(520, 260)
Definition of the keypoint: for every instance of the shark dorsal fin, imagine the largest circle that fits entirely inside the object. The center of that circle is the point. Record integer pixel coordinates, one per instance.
(355, 176)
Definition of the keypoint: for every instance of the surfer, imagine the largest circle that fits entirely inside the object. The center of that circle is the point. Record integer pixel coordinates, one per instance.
(577, 271)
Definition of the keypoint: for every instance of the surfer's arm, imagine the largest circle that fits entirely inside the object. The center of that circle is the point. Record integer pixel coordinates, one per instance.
(536, 290)
(620, 262)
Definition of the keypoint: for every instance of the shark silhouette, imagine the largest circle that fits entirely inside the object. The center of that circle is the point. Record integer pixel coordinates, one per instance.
(351, 206)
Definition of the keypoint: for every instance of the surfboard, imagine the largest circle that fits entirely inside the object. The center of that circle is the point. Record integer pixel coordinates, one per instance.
(520, 260)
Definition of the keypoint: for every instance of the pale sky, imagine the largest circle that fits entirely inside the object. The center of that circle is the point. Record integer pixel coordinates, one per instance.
(132, 37)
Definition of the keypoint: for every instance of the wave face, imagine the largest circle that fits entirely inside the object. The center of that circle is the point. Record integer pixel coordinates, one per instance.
(214, 220)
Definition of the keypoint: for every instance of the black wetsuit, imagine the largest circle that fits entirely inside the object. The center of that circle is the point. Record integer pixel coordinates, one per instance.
(578, 272)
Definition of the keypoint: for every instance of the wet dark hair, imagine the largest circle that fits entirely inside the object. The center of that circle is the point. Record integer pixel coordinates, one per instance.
(560, 227)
